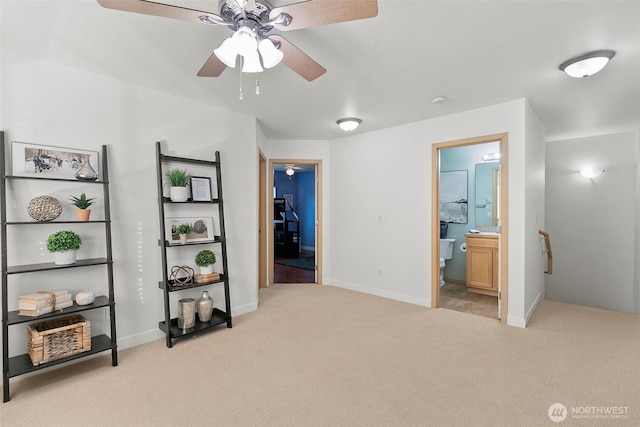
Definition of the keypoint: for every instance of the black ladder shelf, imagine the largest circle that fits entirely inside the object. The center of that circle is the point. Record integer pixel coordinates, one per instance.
(170, 325)
(21, 364)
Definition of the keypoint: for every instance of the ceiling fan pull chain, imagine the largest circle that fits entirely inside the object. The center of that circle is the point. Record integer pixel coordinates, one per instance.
(257, 87)
(241, 96)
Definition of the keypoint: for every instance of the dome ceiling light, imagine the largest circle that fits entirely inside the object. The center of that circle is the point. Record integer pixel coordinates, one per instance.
(349, 123)
(588, 64)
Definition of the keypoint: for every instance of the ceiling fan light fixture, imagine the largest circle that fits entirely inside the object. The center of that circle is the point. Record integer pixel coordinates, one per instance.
(349, 123)
(289, 169)
(271, 55)
(245, 41)
(252, 63)
(588, 64)
(227, 52)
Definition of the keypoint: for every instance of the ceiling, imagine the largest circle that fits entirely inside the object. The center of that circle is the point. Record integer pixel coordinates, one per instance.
(385, 70)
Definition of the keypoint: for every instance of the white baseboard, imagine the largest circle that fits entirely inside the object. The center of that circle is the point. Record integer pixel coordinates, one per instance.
(425, 302)
(533, 308)
(244, 309)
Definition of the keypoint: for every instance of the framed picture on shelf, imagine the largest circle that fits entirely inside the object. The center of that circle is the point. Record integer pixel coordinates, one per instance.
(200, 189)
(201, 229)
(45, 161)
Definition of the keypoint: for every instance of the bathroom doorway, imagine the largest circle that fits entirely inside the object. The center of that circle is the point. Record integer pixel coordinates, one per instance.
(294, 206)
(492, 204)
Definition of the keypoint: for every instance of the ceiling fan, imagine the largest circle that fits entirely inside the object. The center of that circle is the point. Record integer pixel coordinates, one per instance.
(252, 22)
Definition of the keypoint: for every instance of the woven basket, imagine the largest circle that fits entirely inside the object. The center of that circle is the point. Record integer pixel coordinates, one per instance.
(44, 208)
(57, 338)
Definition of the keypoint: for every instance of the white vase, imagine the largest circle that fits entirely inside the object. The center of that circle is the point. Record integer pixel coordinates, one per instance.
(64, 258)
(207, 269)
(183, 239)
(179, 194)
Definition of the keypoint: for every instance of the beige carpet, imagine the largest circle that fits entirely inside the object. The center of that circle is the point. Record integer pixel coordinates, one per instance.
(324, 356)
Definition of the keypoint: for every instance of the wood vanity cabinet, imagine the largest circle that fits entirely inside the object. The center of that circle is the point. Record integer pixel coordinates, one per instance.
(482, 263)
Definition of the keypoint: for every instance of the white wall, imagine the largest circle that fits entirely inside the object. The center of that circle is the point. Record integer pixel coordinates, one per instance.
(534, 177)
(592, 224)
(46, 103)
(381, 205)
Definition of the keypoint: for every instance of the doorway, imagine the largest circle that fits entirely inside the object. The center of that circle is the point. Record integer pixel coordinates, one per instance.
(501, 211)
(294, 230)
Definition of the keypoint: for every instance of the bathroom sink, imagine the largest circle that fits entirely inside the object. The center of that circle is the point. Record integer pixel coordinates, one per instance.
(489, 233)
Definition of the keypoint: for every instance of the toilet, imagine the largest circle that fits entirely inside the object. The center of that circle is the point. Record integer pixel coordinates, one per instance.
(446, 252)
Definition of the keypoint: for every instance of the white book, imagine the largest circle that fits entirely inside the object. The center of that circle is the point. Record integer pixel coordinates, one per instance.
(35, 305)
(45, 310)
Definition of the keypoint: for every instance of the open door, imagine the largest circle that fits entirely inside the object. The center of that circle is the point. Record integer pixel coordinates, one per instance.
(294, 233)
(503, 215)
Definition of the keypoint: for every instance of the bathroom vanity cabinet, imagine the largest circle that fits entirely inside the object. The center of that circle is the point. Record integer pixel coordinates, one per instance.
(482, 263)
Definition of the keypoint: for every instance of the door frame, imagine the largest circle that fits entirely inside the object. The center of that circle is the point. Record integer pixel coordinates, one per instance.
(262, 221)
(318, 229)
(503, 238)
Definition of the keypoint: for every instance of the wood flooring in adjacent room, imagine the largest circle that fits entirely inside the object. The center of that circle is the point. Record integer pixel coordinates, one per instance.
(455, 296)
(287, 274)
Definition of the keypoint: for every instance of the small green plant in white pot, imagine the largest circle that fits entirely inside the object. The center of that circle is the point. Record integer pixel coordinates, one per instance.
(205, 260)
(179, 179)
(64, 245)
(182, 230)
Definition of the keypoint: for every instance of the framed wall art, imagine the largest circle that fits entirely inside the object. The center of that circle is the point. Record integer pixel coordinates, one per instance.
(201, 229)
(44, 161)
(200, 189)
(453, 197)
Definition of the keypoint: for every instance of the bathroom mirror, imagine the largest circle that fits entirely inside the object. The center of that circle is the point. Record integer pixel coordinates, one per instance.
(487, 193)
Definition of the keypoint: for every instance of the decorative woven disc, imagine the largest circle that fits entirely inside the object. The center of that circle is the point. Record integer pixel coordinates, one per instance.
(44, 208)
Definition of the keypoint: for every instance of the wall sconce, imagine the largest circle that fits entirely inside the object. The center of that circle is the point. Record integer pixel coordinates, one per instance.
(491, 157)
(590, 173)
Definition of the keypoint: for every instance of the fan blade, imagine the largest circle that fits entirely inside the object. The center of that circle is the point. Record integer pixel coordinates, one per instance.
(213, 67)
(297, 60)
(314, 13)
(161, 9)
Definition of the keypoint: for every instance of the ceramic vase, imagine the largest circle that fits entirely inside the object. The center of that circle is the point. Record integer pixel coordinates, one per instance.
(183, 239)
(205, 307)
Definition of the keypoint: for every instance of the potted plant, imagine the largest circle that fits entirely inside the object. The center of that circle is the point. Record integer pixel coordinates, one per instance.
(205, 260)
(179, 179)
(64, 245)
(82, 203)
(182, 230)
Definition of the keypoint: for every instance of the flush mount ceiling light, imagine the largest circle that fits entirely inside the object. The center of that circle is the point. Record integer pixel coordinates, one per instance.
(590, 173)
(588, 64)
(348, 124)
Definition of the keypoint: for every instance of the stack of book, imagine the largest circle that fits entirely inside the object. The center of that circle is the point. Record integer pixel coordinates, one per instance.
(44, 302)
(204, 278)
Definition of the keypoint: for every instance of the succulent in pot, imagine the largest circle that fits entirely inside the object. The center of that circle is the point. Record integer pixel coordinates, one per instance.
(63, 245)
(82, 202)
